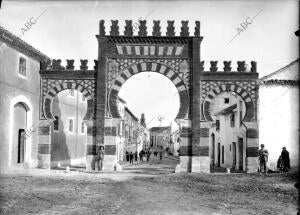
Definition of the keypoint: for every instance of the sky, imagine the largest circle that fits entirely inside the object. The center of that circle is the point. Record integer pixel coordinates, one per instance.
(67, 29)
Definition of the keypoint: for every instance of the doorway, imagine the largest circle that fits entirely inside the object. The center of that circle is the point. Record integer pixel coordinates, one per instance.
(19, 137)
(234, 155)
(219, 154)
(212, 158)
(21, 145)
(241, 153)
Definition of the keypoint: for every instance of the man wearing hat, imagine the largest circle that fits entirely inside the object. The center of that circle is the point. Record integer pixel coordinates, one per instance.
(263, 159)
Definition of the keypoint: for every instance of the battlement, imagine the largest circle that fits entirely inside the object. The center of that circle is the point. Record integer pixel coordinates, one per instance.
(242, 67)
(141, 26)
(55, 65)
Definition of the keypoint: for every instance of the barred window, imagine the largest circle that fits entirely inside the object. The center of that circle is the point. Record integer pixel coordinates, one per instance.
(22, 66)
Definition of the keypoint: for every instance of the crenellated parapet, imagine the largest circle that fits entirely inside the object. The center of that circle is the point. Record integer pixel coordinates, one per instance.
(241, 67)
(142, 29)
(55, 65)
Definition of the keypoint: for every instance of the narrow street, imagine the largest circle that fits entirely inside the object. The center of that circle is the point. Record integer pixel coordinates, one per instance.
(146, 188)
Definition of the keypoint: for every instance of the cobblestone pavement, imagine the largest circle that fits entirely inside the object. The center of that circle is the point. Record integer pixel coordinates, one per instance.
(146, 188)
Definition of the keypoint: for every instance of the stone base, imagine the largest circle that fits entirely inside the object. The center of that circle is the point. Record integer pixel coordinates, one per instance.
(118, 167)
(195, 164)
(184, 164)
(204, 164)
(44, 161)
(90, 163)
(109, 162)
(252, 164)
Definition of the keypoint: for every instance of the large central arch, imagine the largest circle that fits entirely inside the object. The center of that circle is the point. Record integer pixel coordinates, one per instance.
(149, 67)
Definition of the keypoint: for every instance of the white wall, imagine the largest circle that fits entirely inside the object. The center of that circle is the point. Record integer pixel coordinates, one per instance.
(279, 121)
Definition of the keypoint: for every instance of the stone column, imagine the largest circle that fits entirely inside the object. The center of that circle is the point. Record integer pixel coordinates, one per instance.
(204, 158)
(252, 146)
(110, 141)
(185, 148)
(44, 147)
(91, 145)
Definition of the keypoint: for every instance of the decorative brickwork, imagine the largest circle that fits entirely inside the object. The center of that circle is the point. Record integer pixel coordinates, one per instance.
(246, 89)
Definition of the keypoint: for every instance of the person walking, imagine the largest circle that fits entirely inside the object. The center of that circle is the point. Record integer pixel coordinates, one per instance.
(285, 159)
(99, 158)
(263, 155)
(160, 154)
(148, 155)
(127, 156)
(141, 155)
(135, 156)
(131, 158)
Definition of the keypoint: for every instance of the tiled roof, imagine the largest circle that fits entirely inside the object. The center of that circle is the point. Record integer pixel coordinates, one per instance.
(14, 41)
(278, 71)
(133, 116)
(227, 110)
(280, 82)
(159, 128)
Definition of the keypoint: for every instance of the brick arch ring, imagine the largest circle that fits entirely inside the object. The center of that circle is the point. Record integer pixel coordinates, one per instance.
(47, 105)
(225, 88)
(152, 67)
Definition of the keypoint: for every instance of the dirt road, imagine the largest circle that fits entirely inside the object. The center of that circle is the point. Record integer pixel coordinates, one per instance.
(147, 188)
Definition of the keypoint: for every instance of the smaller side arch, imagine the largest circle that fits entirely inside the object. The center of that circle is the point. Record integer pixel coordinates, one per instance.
(47, 104)
(249, 116)
(153, 67)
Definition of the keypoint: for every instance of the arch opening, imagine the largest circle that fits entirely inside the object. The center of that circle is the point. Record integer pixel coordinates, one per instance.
(48, 99)
(69, 132)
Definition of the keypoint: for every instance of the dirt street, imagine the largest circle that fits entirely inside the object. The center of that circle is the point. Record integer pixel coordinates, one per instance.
(147, 188)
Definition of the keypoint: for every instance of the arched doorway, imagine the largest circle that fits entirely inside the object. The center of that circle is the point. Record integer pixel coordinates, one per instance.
(20, 118)
(69, 133)
(158, 94)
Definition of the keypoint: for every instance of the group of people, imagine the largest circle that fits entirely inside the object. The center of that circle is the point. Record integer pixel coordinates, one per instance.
(283, 163)
(144, 155)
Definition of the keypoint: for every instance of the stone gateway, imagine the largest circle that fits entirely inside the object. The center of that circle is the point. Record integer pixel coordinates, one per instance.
(176, 57)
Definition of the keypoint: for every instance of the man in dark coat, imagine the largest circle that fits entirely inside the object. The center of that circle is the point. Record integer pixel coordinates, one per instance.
(131, 158)
(285, 159)
(127, 156)
(99, 158)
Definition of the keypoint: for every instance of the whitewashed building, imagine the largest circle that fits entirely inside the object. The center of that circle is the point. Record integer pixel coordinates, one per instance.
(279, 113)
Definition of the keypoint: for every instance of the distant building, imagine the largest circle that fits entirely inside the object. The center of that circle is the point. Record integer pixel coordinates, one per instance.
(175, 142)
(279, 113)
(160, 137)
(19, 101)
(228, 148)
(132, 136)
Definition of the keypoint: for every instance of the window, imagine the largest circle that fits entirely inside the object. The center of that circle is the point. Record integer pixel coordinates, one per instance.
(82, 128)
(226, 100)
(217, 125)
(71, 92)
(232, 120)
(55, 123)
(71, 125)
(22, 66)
